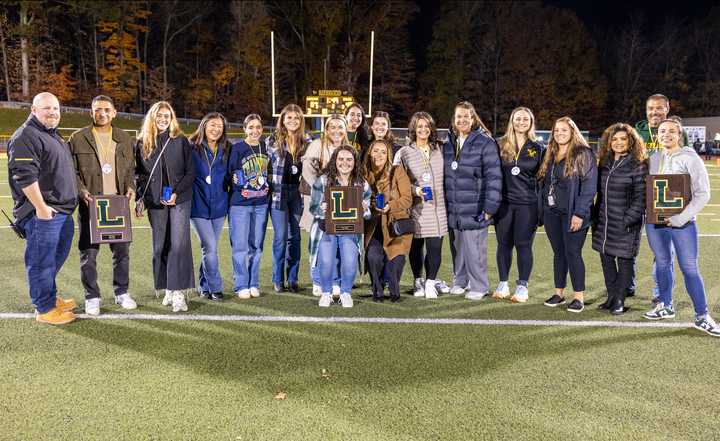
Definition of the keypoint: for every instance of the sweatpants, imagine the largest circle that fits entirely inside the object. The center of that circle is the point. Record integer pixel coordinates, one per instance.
(470, 259)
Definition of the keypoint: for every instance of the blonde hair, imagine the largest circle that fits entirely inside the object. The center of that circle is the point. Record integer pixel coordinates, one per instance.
(148, 133)
(477, 122)
(575, 163)
(508, 143)
(678, 123)
(325, 139)
(636, 146)
(282, 136)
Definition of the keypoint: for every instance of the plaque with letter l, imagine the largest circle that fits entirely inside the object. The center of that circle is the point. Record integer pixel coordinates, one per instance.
(109, 219)
(666, 196)
(344, 213)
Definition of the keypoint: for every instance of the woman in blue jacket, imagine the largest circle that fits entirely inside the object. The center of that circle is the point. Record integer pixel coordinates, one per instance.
(248, 218)
(473, 184)
(209, 198)
(568, 176)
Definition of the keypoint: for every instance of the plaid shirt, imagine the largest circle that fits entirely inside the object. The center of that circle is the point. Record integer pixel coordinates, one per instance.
(280, 171)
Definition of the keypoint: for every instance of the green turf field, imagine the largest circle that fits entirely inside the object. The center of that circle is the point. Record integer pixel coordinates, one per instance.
(216, 380)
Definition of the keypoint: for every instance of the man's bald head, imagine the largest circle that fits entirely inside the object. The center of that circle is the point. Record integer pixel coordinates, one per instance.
(46, 108)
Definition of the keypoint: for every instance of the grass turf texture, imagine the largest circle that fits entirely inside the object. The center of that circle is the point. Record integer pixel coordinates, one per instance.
(216, 380)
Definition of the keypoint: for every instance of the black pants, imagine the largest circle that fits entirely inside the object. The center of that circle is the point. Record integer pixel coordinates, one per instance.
(515, 226)
(381, 269)
(567, 250)
(172, 251)
(618, 274)
(433, 254)
(88, 260)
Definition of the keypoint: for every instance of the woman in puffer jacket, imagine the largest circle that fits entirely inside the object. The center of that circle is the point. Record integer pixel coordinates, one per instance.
(619, 209)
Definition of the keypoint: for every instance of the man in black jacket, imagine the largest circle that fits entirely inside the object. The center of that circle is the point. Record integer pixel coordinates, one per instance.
(42, 181)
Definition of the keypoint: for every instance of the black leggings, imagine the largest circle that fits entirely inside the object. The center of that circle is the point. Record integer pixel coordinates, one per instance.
(618, 273)
(381, 269)
(433, 254)
(567, 250)
(515, 226)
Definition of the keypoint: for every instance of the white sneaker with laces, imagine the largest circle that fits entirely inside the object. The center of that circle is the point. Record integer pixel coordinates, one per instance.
(243, 294)
(325, 300)
(474, 295)
(317, 290)
(457, 290)
(178, 302)
(419, 288)
(345, 300)
(521, 294)
(441, 286)
(254, 292)
(125, 301)
(502, 291)
(430, 291)
(92, 306)
(167, 300)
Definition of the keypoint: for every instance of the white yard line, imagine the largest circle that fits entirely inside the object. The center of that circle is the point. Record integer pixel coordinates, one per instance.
(372, 320)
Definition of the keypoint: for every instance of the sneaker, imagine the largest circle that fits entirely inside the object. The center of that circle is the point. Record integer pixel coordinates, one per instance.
(708, 325)
(442, 287)
(345, 300)
(243, 294)
(178, 302)
(55, 316)
(167, 300)
(92, 306)
(475, 295)
(576, 306)
(554, 301)
(336, 291)
(457, 290)
(430, 291)
(65, 304)
(521, 294)
(419, 288)
(325, 300)
(217, 296)
(125, 301)
(254, 292)
(660, 312)
(205, 295)
(502, 291)
(317, 290)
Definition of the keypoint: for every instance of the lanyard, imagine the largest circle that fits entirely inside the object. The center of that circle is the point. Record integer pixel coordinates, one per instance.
(458, 147)
(653, 141)
(210, 164)
(517, 156)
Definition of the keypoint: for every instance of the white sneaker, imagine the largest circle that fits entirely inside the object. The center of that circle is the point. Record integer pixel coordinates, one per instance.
(254, 292)
(325, 300)
(430, 291)
(345, 300)
(92, 306)
(442, 287)
(419, 287)
(178, 302)
(125, 301)
(502, 291)
(521, 294)
(336, 291)
(167, 300)
(317, 290)
(243, 294)
(474, 295)
(457, 290)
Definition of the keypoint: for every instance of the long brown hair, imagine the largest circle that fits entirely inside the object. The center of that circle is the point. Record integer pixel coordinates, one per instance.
(378, 179)
(636, 145)
(477, 122)
(412, 127)
(331, 171)
(575, 163)
(282, 136)
(380, 114)
(508, 143)
(148, 133)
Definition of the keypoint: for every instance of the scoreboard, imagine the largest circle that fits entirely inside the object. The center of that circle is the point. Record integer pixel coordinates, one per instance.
(327, 102)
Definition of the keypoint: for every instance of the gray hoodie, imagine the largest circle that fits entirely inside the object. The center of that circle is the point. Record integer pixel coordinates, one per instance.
(684, 161)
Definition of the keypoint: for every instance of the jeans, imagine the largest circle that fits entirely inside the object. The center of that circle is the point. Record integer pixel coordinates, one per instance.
(327, 260)
(47, 245)
(208, 233)
(247, 234)
(315, 273)
(662, 239)
(286, 240)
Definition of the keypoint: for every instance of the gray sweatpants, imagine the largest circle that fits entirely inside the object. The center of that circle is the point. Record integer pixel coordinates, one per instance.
(470, 259)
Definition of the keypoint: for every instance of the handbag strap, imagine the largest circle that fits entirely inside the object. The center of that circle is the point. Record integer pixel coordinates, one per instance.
(157, 161)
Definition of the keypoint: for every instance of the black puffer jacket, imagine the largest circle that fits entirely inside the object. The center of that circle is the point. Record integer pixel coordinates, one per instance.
(620, 207)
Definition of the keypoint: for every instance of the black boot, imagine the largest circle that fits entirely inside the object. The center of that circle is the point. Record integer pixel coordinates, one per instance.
(606, 303)
(617, 306)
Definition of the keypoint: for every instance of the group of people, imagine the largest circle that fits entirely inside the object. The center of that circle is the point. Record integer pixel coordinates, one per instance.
(412, 196)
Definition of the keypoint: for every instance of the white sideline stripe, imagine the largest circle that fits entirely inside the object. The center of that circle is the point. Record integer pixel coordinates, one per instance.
(381, 320)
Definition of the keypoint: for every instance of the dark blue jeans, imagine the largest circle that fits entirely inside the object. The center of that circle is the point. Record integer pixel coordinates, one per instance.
(47, 247)
(286, 240)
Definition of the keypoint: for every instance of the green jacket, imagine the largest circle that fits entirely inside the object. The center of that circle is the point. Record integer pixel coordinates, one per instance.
(649, 135)
(87, 165)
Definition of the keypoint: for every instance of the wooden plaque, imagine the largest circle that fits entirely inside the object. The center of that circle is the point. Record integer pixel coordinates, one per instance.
(666, 195)
(344, 214)
(110, 219)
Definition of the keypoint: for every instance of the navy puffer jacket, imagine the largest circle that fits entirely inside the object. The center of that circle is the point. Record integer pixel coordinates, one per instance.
(475, 187)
